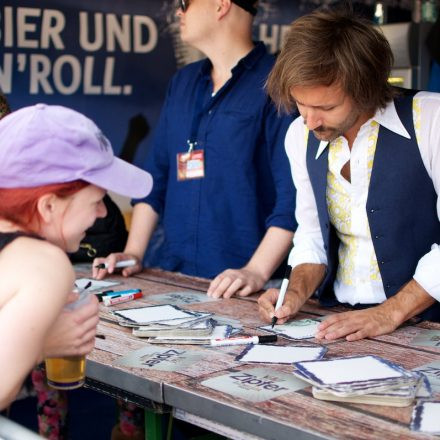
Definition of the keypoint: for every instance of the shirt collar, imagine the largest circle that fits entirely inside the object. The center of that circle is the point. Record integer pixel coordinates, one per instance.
(248, 61)
(386, 117)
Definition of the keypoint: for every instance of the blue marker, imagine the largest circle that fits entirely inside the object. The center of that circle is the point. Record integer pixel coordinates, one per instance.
(113, 293)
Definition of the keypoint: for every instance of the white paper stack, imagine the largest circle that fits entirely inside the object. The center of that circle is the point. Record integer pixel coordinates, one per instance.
(218, 332)
(190, 328)
(361, 379)
(169, 324)
(166, 314)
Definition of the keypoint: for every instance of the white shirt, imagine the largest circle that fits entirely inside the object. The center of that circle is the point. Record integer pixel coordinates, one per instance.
(308, 242)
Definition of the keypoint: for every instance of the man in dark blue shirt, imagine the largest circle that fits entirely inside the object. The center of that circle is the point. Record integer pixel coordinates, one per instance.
(222, 182)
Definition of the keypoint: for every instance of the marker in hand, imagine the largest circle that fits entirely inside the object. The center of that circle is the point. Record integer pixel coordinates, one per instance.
(283, 290)
(119, 264)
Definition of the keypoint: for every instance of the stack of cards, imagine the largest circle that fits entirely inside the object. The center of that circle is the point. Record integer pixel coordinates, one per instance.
(169, 324)
(360, 379)
(191, 328)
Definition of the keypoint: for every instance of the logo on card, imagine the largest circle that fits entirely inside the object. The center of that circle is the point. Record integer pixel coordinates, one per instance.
(169, 356)
(252, 382)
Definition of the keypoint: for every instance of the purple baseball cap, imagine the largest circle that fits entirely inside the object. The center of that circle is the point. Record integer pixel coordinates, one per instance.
(45, 144)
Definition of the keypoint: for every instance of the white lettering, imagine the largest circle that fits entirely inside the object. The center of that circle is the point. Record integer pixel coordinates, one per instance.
(6, 74)
(75, 66)
(24, 27)
(8, 29)
(109, 88)
(139, 46)
(51, 31)
(40, 70)
(89, 88)
(271, 41)
(84, 39)
(116, 31)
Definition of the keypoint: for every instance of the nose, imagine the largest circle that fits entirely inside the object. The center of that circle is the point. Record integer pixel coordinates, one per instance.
(312, 119)
(179, 12)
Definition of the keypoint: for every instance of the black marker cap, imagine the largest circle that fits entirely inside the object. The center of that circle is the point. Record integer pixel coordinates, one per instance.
(267, 338)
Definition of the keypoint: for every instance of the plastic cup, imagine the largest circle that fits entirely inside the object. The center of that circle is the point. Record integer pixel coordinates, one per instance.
(68, 373)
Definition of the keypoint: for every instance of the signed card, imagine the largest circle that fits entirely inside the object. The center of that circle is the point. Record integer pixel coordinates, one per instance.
(149, 314)
(163, 359)
(95, 284)
(296, 329)
(276, 354)
(425, 417)
(427, 338)
(255, 385)
(184, 297)
(432, 372)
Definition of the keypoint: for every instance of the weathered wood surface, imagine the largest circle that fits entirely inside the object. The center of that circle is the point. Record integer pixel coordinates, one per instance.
(297, 409)
(332, 419)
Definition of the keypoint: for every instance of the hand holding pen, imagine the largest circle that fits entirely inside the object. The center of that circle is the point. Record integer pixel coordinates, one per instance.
(282, 294)
(129, 264)
(275, 306)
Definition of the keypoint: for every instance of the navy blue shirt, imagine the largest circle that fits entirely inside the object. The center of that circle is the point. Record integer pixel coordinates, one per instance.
(217, 222)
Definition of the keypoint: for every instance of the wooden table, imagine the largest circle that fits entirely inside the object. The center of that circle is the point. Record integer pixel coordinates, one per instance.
(296, 415)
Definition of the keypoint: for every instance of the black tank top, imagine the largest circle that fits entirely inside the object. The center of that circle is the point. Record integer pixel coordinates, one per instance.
(8, 237)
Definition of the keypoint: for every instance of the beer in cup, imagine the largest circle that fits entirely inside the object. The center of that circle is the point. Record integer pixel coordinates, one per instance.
(68, 373)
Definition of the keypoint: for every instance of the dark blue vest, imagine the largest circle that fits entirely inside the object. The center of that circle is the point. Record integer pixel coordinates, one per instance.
(401, 208)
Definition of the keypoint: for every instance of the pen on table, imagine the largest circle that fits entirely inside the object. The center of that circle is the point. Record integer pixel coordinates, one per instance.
(282, 293)
(114, 293)
(100, 336)
(84, 288)
(117, 299)
(244, 340)
(119, 264)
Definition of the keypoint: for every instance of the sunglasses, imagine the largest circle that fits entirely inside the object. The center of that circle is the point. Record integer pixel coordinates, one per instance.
(183, 5)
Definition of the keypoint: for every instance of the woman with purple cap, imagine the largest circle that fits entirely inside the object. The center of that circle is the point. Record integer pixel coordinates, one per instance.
(55, 167)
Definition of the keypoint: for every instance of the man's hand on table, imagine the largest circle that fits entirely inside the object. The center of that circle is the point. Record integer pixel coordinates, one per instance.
(358, 324)
(240, 282)
(111, 260)
(411, 300)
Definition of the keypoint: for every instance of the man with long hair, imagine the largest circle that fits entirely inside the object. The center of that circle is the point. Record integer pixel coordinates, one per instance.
(365, 159)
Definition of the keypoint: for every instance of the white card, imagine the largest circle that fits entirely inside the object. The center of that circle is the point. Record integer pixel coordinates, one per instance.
(96, 284)
(145, 315)
(425, 417)
(355, 369)
(276, 354)
(296, 329)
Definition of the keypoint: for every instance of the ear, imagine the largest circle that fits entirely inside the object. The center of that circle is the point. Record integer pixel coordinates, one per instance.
(223, 7)
(47, 207)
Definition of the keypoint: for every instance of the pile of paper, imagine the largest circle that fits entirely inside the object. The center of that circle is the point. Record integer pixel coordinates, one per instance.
(362, 379)
(190, 328)
(169, 324)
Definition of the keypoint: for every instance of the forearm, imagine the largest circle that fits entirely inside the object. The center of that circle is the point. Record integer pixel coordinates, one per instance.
(411, 300)
(143, 223)
(271, 252)
(304, 280)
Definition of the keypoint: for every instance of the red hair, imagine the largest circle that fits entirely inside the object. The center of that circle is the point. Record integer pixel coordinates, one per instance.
(19, 205)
